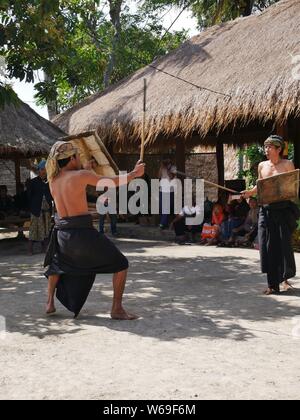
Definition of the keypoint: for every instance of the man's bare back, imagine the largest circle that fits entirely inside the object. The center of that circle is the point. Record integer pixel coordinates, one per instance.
(69, 192)
(68, 188)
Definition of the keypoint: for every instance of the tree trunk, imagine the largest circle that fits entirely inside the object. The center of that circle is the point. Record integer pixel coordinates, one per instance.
(51, 104)
(115, 12)
(247, 7)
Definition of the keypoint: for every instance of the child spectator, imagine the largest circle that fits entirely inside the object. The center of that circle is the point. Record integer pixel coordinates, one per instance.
(246, 233)
(211, 231)
(237, 211)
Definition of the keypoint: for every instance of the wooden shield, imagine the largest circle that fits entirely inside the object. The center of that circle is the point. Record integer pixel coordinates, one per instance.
(89, 146)
(277, 188)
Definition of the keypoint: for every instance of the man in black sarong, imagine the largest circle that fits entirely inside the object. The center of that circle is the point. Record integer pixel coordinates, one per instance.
(77, 251)
(276, 223)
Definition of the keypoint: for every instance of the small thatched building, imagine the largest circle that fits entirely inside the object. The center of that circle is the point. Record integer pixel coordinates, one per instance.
(24, 134)
(242, 85)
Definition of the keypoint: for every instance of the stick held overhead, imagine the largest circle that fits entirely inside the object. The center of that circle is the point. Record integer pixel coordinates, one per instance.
(144, 122)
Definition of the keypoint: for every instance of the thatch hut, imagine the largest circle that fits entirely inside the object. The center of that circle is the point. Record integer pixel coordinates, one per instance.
(24, 134)
(233, 83)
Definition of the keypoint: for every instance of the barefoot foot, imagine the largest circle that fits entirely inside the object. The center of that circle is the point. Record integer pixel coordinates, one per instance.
(286, 285)
(123, 315)
(270, 291)
(50, 309)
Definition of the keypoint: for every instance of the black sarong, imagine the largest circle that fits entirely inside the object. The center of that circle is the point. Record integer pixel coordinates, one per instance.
(77, 252)
(275, 228)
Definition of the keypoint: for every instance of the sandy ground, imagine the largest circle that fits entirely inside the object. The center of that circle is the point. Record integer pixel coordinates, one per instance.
(205, 331)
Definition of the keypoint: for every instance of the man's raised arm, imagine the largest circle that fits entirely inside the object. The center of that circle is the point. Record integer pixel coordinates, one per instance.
(91, 178)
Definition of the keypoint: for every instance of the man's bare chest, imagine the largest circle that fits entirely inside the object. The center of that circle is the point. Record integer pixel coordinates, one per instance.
(270, 170)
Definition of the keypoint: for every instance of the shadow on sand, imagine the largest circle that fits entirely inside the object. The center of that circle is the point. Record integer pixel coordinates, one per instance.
(183, 297)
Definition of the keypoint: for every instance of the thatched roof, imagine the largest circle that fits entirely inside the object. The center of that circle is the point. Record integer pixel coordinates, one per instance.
(248, 59)
(25, 133)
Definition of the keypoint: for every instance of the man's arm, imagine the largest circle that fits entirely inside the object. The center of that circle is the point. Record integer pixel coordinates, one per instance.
(253, 191)
(90, 178)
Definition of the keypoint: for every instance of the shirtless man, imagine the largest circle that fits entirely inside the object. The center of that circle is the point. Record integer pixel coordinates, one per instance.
(76, 248)
(274, 230)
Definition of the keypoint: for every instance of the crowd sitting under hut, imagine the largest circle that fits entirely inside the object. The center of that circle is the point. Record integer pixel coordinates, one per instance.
(232, 225)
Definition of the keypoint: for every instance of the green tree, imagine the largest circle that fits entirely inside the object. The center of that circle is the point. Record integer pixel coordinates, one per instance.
(77, 47)
(210, 12)
(254, 154)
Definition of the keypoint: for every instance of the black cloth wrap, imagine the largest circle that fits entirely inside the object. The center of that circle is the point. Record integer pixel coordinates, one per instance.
(276, 225)
(77, 252)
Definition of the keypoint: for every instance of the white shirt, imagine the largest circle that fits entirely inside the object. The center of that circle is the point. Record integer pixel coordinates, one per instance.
(167, 184)
(190, 211)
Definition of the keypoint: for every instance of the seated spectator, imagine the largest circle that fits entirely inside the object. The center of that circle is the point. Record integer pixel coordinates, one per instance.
(211, 231)
(246, 233)
(237, 211)
(242, 208)
(6, 203)
(184, 230)
(208, 207)
(21, 201)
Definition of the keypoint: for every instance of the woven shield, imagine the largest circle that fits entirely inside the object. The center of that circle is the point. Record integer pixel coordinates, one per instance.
(281, 187)
(89, 145)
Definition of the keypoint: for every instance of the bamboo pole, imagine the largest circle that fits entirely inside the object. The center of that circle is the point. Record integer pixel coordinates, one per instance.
(210, 183)
(144, 123)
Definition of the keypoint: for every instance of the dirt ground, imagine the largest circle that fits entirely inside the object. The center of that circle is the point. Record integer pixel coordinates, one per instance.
(205, 330)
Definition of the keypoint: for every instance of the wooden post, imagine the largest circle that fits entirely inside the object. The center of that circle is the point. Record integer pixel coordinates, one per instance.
(294, 131)
(282, 130)
(220, 162)
(17, 173)
(180, 154)
(220, 167)
(180, 160)
(297, 150)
